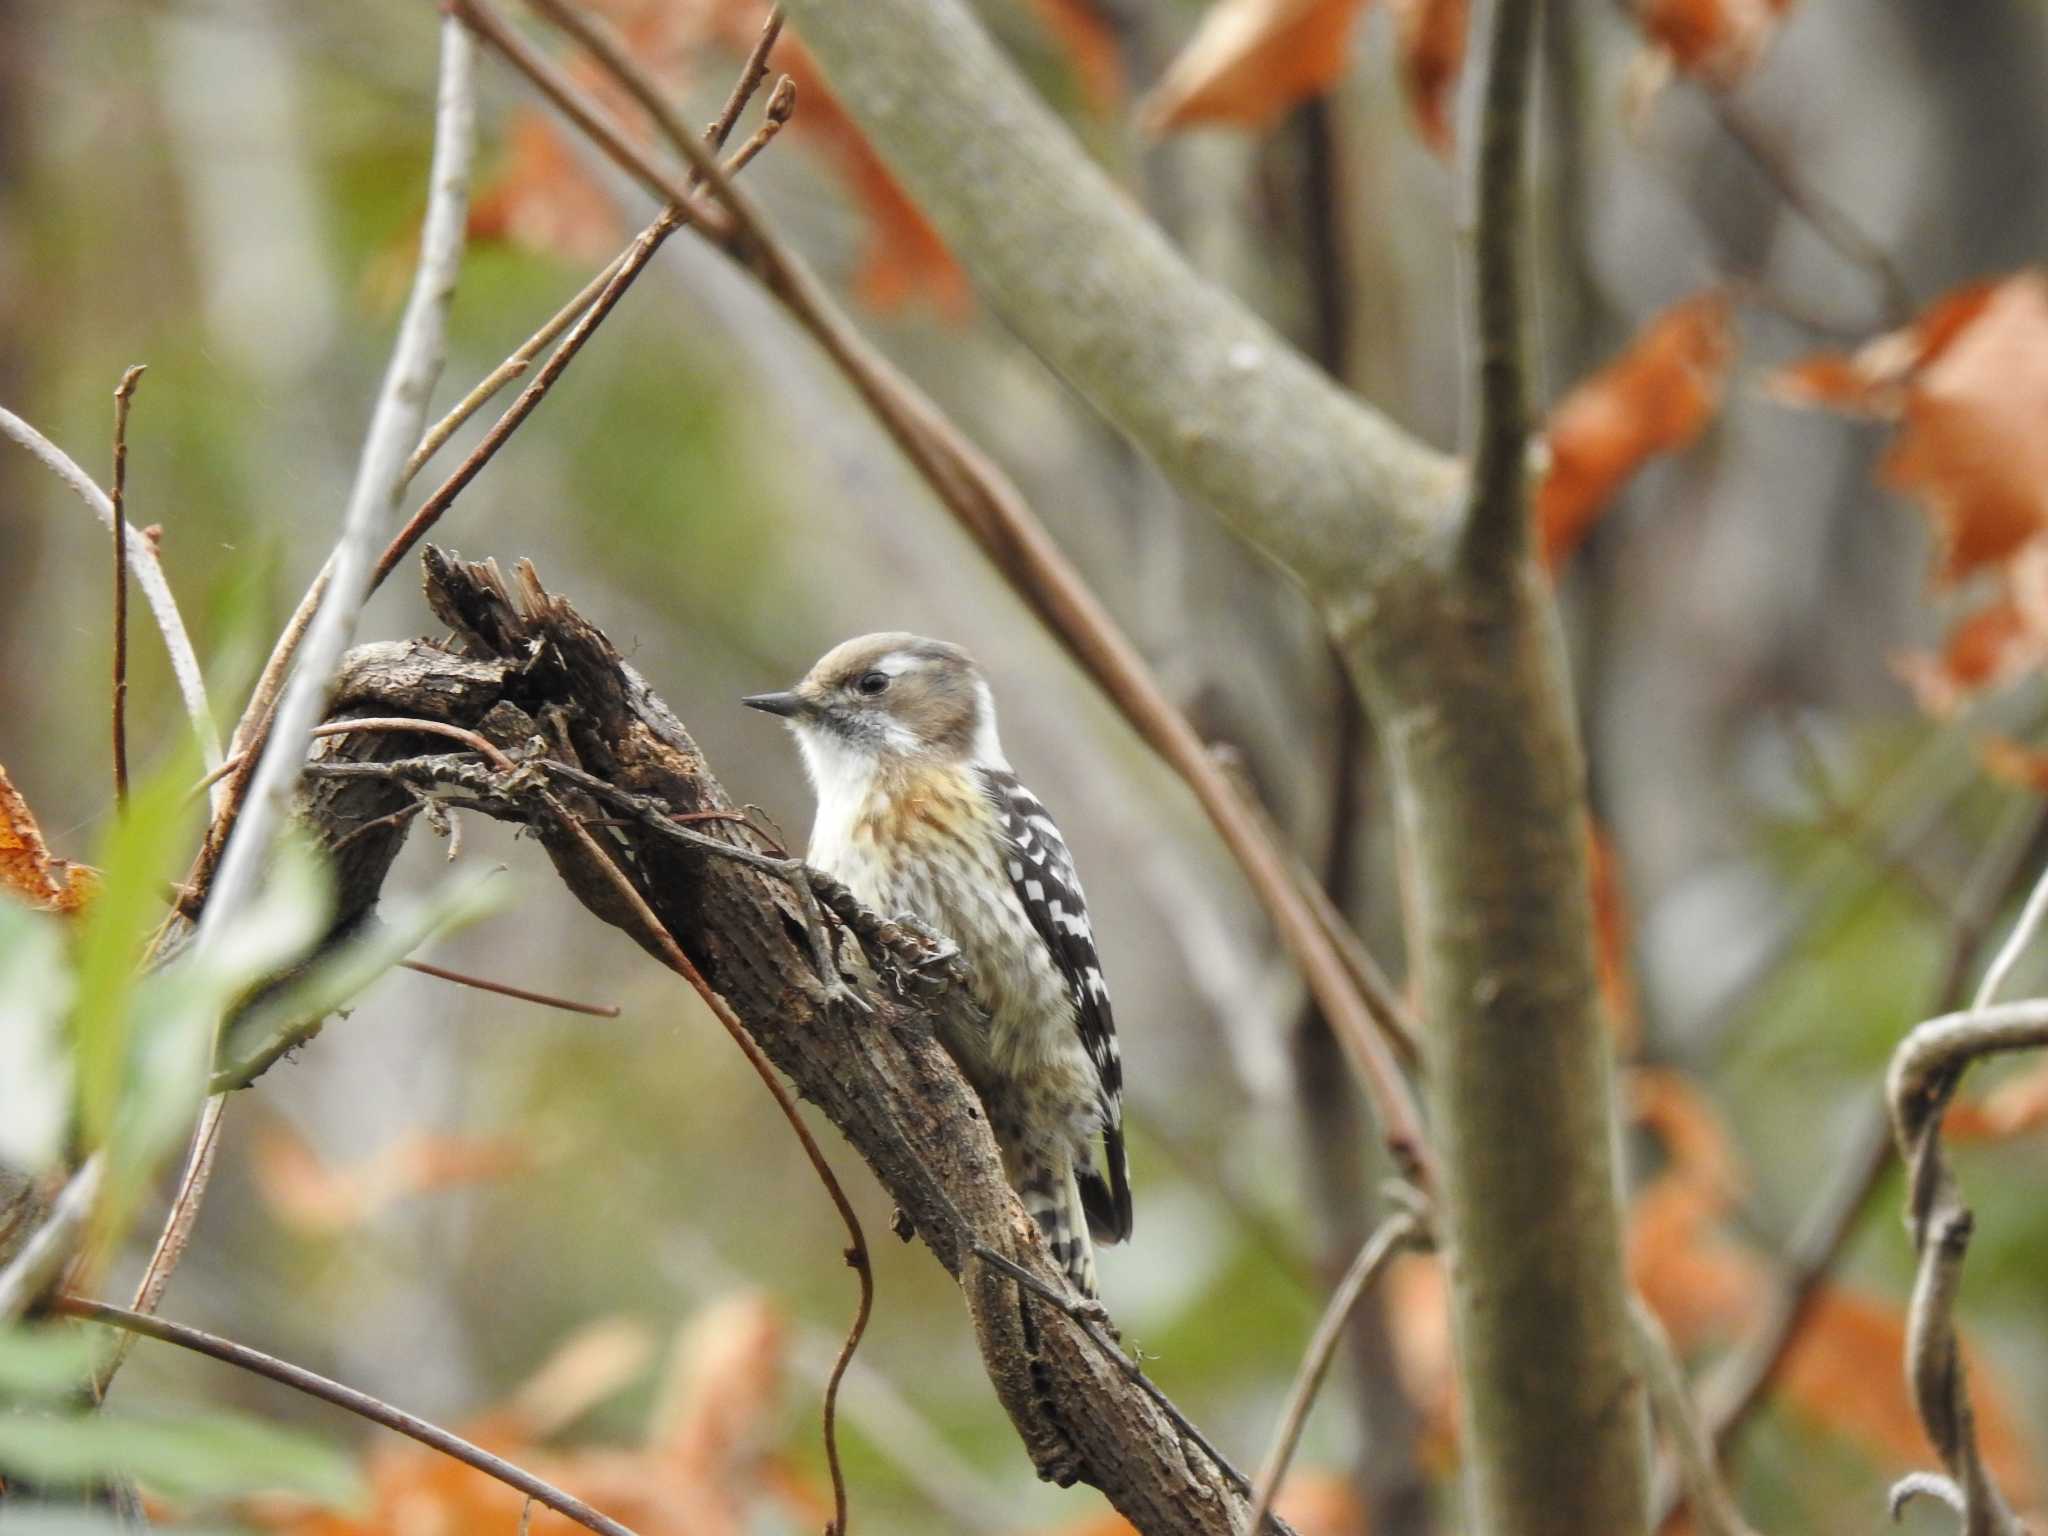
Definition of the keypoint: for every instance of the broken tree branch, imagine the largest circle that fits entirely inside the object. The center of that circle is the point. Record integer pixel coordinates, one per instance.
(550, 693)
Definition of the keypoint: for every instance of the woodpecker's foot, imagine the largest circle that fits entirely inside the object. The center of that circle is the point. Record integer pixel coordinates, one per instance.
(923, 959)
(1089, 1309)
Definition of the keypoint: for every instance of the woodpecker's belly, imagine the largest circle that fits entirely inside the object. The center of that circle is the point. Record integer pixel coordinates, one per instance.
(938, 855)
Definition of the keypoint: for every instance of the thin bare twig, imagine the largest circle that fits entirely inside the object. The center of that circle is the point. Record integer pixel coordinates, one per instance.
(376, 1410)
(781, 105)
(1393, 1234)
(516, 364)
(990, 507)
(503, 989)
(857, 1249)
(1827, 220)
(124, 392)
(1496, 531)
(149, 575)
(1671, 1401)
(629, 266)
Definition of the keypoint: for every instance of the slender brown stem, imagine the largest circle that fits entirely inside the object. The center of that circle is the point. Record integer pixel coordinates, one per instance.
(983, 500)
(504, 989)
(752, 73)
(678, 961)
(124, 392)
(1496, 535)
(633, 263)
(1388, 1238)
(1834, 226)
(376, 1410)
(521, 359)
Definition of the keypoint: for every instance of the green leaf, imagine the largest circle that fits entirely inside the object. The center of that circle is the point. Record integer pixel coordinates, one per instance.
(208, 1457)
(294, 1014)
(137, 860)
(36, 987)
(47, 1361)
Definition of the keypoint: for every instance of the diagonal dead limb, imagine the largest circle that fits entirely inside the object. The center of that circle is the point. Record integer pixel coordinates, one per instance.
(547, 689)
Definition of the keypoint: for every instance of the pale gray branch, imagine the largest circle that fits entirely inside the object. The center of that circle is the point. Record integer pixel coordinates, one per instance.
(1712, 1505)
(395, 427)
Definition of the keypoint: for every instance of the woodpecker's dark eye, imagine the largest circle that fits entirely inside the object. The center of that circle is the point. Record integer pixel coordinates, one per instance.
(872, 683)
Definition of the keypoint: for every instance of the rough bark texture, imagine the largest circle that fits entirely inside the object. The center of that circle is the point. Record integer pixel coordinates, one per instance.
(1461, 665)
(540, 682)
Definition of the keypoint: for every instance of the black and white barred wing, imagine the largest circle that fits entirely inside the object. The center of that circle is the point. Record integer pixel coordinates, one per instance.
(1042, 873)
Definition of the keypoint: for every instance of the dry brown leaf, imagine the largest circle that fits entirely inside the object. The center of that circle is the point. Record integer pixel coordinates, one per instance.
(1431, 35)
(1656, 397)
(1250, 61)
(27, 867)
(1717, 40)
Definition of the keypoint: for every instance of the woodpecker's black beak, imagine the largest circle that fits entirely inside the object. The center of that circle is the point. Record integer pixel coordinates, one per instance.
(787, 705)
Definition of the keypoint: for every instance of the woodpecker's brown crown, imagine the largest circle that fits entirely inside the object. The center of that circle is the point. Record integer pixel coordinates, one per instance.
(891, 692)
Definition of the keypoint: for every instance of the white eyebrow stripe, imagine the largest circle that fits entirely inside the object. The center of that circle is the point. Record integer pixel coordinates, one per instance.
(896, 663)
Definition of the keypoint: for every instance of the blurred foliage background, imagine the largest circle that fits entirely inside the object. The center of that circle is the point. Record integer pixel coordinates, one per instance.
(446, 1186)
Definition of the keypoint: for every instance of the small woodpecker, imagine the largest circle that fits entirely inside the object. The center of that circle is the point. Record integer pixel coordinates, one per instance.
(919, 813)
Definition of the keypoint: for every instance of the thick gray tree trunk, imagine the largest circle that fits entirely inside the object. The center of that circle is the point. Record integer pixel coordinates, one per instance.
(1448, 631)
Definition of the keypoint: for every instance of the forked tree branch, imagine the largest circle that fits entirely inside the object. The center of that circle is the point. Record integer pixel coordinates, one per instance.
(588, 741)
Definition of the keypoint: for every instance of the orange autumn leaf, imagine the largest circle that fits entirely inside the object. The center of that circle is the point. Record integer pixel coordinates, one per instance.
(1999, 643)
(1431, 36)
(1842, 1372)
(1967, 384)
(1611, 937)
(727, 1390)
(27, 867)
(1717, 40)
(1089, 42)
(2013, 1108)
(1656, 397)
(542, 197)
(905, 261)
(1971, 447)
(1250, 61)
(2026, 767)
(306, 1193)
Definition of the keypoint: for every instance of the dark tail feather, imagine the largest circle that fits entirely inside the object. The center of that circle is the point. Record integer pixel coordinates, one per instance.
(1108, 1203)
